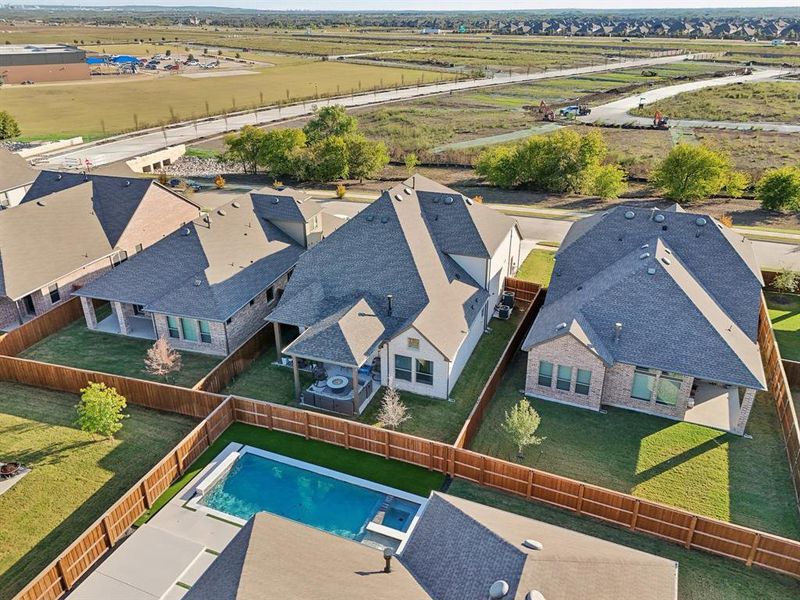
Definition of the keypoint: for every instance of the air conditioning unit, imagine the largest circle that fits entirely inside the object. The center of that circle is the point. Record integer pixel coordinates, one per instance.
(507, 299)
(503, 312)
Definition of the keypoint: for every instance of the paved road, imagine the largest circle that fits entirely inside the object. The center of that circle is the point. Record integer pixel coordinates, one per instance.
(617, 112)
(125, 147)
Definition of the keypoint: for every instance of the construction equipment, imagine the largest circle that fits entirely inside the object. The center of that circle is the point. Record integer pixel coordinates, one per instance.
(576, 110)
(547, 113)
(660, 121)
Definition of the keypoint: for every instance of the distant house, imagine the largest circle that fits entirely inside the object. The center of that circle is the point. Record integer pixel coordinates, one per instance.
(70, 228)
(208, 286)
(399, 295)
(16, 178)
(457, 550)
(654, 311)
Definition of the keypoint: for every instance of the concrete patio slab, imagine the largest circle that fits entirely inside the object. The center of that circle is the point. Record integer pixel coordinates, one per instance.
(102, 587)
(7, 484)
(198, 567)
(139, 327)
(715, 406)
(199, 528)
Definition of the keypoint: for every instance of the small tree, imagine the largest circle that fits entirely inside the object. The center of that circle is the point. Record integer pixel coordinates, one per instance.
(9, 128)
(341, 190)
(392, 412)
(100, 410)
(162, 359)
(694, 172)
(169, 53)
(608, 182)
(411, 161)
(521, 425)
(219, 181)
(779, 189)
(786, 282)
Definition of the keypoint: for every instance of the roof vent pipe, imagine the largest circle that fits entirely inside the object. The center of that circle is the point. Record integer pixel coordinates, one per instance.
(617, 331)
(388, 553)
(389, 299)
(499, 589)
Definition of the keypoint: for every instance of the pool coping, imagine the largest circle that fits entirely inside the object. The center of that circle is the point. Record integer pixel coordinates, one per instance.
(228, 457)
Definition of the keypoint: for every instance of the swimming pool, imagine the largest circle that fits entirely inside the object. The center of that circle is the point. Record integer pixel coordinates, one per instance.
(249, 480)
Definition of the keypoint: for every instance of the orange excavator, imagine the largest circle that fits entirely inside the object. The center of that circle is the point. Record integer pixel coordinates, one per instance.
(660, 121)
(548, 114)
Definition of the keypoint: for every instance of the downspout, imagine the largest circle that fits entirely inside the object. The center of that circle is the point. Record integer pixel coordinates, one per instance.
(486, 287)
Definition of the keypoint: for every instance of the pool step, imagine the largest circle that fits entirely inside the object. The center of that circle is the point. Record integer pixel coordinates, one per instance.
(381, 512)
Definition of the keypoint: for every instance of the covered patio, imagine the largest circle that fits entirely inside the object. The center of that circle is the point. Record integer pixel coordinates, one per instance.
(719, 406)
(138, 327)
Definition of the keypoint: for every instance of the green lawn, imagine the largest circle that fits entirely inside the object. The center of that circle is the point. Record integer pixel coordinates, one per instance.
(538, 267)
(728, 477)
(266, 381)
(402, 476)
(784, 312)
(700, 576)
(75, 478)
(78, 346)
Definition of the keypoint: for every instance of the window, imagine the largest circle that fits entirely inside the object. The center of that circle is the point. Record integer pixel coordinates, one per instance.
(138, 310)
(402, 367)
(669, 388)
(413, 343)
(118, 258)
(643, 384)
(270, 294)
(583, 381)
(205, 332)
(138, 247)
(55, 295)
(545, 373)
(564, 379)
(424, 371)
(172, 326)
(188, 330)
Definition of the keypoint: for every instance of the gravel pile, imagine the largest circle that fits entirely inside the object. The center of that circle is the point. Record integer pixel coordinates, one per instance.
(192, 166)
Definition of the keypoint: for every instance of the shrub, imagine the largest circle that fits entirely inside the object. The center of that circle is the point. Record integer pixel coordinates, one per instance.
(779, 189)
(100, 410)
(695, 172)
(786, 281)
(219, 181)
(9, 128)
(411, 161)
(341, 190)
(608, 182)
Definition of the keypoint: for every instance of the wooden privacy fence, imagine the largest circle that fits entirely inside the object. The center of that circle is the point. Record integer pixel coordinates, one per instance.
(25, 336)
(792, 370)
(781, 392)
(60, 576)
(475, 418)
(525, 291)
(238, 361)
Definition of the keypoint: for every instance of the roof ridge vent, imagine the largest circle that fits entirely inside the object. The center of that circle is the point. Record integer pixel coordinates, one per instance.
(449, 200)
(398, 197)
(644, 255)
(534, 595)
(561, 326)
(221, 212)
(644, 246)
(235, 204)
(533, 544)
(666, 261)
(384, 220)
(468, 200)
(499, 589)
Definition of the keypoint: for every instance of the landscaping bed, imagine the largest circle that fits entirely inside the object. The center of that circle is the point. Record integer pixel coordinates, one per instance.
(78, 346)
(74, 477)
(728, 477)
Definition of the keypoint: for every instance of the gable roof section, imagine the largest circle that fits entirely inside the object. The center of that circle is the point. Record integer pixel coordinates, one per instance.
(286, 204)
(389, 248)
(14, 171)
(459, 548)
(204, 271)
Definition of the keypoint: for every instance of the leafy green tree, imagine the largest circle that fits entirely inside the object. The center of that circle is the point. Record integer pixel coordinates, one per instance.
(100, 410)
(9, 128)
(281, 152)
(608, 182)
(498, 165)
(695, 172)
(786, 282)
(330, 121)
(779, 189)
(365, 158)
(411, 161)
(521, 424)
(326, 160)
(246, 148)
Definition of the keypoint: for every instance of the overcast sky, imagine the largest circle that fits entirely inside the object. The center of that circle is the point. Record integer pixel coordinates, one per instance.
(427, 5)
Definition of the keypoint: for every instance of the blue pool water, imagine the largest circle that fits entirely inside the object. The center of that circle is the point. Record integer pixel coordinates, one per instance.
(256, 484)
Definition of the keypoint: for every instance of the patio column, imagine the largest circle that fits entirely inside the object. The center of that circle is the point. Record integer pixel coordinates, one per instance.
(88, 312)
(121, 317)
(746, 406)
(278, 342)
(296, 373)
(356, 402)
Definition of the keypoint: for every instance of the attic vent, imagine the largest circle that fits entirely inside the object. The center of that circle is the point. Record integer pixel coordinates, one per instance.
(235, 204)
(187, 231)
(499, 589)
(41, 203)
(644, 255)
(651, 270)
(127, 183)
(659, 218)
(449, 200)
(197, 282)
(276, 200)
(398, 197)
(700, 221)
(644, 246)
(629, 214)
(370, 218)
(407, 191)
(533, 544)
(59, 177)
(666, 261)
(221, 212)
(384, 220)
(560, 326)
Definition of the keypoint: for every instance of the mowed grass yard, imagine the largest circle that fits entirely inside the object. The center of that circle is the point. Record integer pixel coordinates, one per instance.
(74, 477)
(101, 108)
(784, 312)
(78, 346)
(703, 470)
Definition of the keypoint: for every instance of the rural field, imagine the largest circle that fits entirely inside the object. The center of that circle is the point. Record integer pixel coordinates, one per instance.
(777, 101)
(101, 108)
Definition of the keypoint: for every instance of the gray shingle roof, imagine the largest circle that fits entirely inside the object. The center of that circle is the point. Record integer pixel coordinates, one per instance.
(687, 296)
(14, 171)
(393, 247)
(459, 548)
(201, 271)
(287, 204)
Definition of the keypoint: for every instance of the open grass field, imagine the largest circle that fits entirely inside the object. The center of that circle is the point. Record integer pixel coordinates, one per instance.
(732, 478)
(769, 101)
(700, 576)
(74, 477)
(784, 312)
(100, 108)
(78, 346)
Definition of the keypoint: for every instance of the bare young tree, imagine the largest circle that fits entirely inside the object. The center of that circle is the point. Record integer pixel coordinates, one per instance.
(162, 359)
(393, 412)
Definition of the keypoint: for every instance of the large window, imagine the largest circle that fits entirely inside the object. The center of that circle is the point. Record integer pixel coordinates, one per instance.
(564, 379)
(205, 332)
(55, 295)
(643, 383)
(424, 371)
(582, 381)
(545, 373)
(669, 388)
(188, 330)
(270, 294)
(172, 326)
(402, 367)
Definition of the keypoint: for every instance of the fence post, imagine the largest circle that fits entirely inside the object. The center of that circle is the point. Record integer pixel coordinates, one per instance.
(752, 554)
(107, 531)
(270, 425)
(581, 491)
(690, 535)
(305, 422)
(146, 494)
(635, 515)
(386, 446)
(482, 475)
(63, 572)
(347, 434)
(430, 456)
(529, 492)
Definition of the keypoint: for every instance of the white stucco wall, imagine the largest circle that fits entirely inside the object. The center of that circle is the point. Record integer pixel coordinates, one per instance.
(465, 351)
